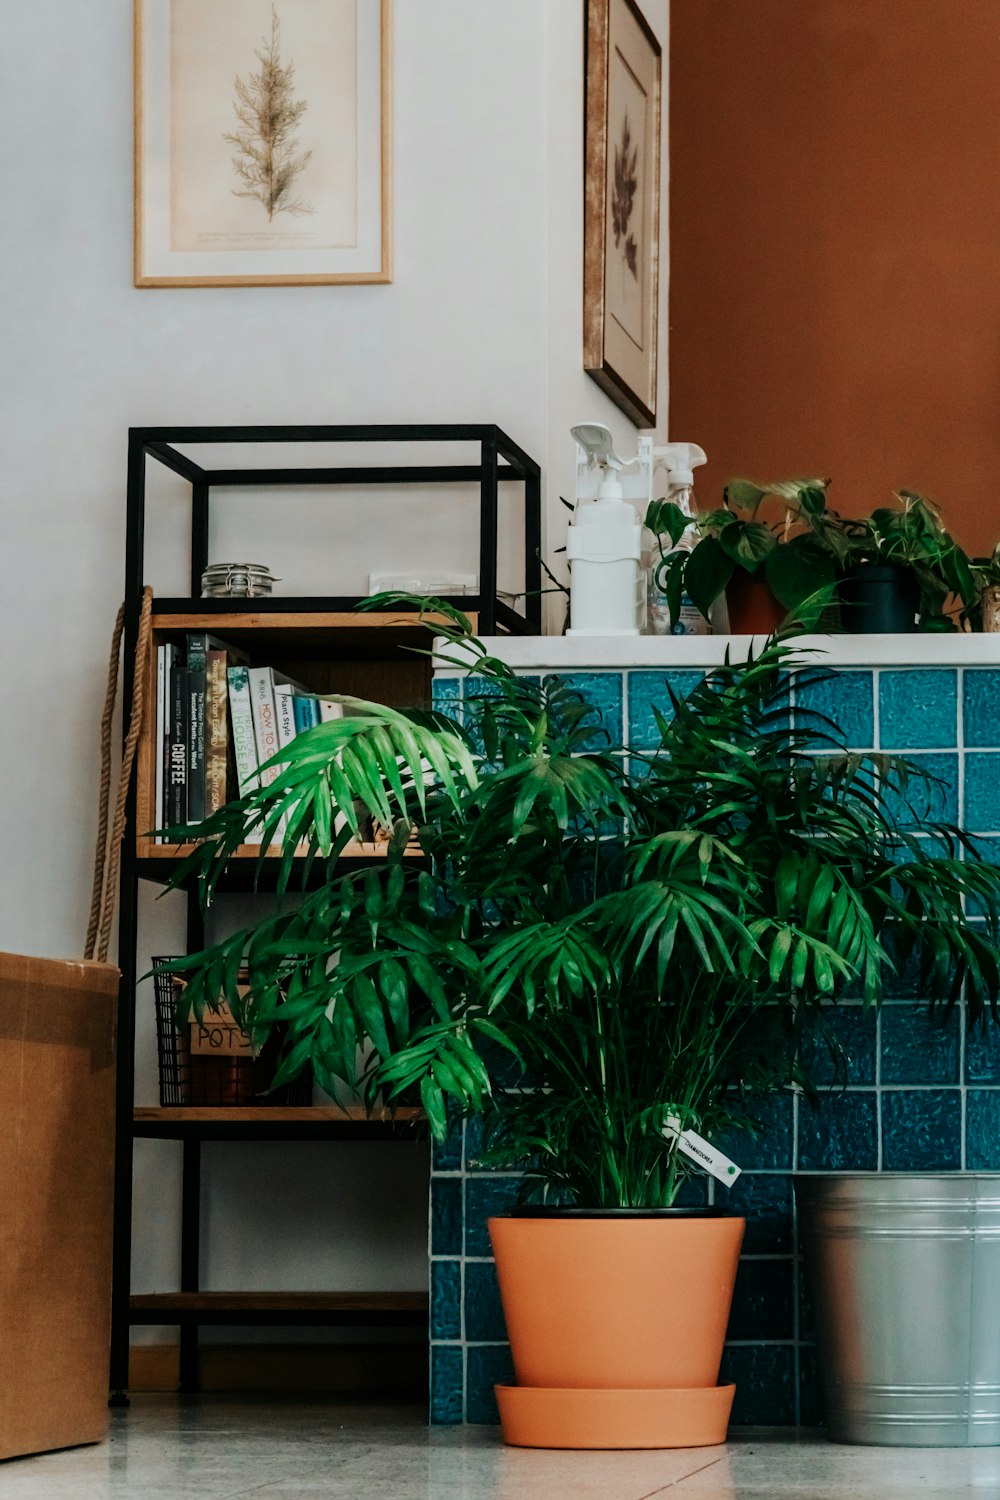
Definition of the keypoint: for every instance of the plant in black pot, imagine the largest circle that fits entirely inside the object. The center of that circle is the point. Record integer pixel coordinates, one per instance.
(766, 569)
(901, 569)
(643, 939)
(984, 614)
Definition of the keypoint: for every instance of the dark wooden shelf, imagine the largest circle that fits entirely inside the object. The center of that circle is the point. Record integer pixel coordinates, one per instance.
(343, 1309)
(280, 1123)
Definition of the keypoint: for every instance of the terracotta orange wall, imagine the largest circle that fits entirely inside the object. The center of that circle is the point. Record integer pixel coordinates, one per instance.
(835, 247)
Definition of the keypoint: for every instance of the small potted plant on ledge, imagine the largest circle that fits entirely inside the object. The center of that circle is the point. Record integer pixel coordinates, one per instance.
(764, 569)
(643, 941)
(900, 569)
(895, 570)
(984, 613)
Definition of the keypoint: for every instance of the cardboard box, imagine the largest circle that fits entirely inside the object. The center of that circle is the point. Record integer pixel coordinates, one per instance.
(57, 1136)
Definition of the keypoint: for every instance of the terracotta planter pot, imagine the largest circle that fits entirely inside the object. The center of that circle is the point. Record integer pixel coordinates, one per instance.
(616, 1327)
(753, 609)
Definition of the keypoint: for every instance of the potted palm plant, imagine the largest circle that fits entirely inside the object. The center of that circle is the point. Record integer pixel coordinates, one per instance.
(644, 940)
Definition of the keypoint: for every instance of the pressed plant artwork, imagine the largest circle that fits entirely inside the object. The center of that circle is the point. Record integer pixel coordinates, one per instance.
(268, 161)
(622, 206)
(262, 142)
(590, 945)
(623, 198)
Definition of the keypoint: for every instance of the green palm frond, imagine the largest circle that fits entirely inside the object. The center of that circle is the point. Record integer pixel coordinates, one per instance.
(593, 937)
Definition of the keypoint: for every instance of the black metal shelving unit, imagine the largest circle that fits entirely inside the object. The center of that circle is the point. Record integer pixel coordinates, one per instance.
(500, 462)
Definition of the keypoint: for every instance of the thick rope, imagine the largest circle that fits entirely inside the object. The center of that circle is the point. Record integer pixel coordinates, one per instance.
(107, 860)
(111, 693)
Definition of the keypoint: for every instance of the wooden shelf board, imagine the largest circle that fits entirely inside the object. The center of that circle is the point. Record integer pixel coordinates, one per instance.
(281, 1301)
(253, 619)
(147, 850)
(352, 1114)
(302, 1308)
(281, 1123)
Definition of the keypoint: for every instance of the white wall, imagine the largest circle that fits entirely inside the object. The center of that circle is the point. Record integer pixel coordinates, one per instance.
(482, 323)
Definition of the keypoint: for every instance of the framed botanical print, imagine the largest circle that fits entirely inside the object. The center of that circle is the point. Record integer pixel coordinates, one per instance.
(622, 206)
(262, 142)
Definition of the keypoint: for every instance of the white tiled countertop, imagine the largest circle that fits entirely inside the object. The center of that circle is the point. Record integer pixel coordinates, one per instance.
(619, 653)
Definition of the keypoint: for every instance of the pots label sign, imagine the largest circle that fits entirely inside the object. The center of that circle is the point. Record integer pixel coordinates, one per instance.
(217, 1033)
(698, 1150)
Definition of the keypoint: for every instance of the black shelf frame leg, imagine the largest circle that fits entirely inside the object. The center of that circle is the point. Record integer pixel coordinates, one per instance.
(488, 508)
(190, 1367)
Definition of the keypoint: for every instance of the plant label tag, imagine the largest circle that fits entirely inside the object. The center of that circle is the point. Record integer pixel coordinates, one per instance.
(697, 1149)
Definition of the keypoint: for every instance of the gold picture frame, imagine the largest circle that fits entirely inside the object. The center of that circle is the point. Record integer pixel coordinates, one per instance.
(622, 206)
(222, 200)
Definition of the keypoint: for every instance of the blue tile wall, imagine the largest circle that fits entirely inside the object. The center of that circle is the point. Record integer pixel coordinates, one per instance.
(917, 709)
(980, 696)
(649, 692)
(847, 700)
(982, 790)
(919, 1093)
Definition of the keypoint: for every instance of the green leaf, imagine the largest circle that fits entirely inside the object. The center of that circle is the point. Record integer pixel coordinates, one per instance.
(743, 494)
(665, 518)
(433, 1102)
(708, 571)
(799, 569)
(748, 543)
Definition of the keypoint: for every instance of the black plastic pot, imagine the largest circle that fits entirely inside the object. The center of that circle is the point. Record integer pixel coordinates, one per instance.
(879, 600)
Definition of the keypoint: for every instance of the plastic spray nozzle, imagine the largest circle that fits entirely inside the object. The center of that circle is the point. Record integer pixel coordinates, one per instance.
(596, 441)
(680, 460)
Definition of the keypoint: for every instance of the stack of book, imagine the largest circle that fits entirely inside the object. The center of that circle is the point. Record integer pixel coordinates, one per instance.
(218, 719)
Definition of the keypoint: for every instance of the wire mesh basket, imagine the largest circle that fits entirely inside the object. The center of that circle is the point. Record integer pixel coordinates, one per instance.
(210, 1062)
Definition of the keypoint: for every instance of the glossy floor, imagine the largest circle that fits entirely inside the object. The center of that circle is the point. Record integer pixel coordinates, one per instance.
(221, 1448)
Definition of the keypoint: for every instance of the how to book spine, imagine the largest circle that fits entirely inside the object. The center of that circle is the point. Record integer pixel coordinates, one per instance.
(244, 740)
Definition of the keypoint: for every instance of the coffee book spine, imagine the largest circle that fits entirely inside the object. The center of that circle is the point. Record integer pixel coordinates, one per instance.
(177, 765)
(161, 709)
(196, 744)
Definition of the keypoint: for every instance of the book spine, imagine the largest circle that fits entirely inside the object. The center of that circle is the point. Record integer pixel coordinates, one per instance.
(328, 710)
(265, 726)
(216, 732)
(244, 743)
(161, 706)
(177, 764)
(198, 645)
(196, 744)
(306, 711)
(284, 707)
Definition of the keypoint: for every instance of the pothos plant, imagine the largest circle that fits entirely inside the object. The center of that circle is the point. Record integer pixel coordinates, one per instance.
(589, 944)
(911, 536)
(792, 553)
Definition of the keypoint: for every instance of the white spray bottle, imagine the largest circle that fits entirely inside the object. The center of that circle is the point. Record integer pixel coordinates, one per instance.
(604, 542)
(680, 460)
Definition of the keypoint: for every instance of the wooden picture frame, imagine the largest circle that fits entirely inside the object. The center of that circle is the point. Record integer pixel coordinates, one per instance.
(622, 206)
(223, 200)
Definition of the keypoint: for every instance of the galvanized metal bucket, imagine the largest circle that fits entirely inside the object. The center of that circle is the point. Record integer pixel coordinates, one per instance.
(904, 1270)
